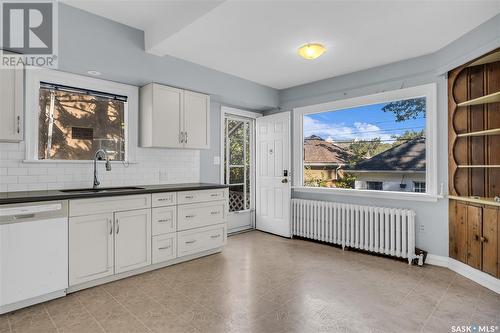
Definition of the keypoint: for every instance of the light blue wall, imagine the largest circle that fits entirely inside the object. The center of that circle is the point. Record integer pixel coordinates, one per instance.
(431, 216)
(90, 42)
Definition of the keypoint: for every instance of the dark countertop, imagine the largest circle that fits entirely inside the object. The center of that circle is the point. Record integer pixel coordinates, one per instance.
(33, 196)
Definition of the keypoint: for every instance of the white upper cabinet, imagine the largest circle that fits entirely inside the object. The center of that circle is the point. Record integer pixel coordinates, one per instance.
(11, 104)
(196, 120)
(174, 118)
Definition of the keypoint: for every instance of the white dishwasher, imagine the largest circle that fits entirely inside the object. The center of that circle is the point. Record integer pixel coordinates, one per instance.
(33, 253)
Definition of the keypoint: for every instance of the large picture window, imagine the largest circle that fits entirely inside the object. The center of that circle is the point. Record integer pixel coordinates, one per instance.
(377, 143)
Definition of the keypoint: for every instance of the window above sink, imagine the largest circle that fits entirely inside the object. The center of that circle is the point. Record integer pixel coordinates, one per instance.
(69, 117)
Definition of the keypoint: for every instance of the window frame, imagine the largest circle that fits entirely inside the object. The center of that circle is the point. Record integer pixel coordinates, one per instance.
(36, 75)
(429, 91)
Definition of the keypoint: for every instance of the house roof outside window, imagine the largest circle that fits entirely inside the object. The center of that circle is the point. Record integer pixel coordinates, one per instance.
(317, 151)
(406, 157)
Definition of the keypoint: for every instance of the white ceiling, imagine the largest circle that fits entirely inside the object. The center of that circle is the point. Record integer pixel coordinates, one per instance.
(258, 40)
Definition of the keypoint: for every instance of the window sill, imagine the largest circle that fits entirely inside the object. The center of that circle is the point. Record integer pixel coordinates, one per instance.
(75, 162)
(426, 197)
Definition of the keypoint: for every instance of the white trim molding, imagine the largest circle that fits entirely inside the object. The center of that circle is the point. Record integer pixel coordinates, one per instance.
(429, 91)
(467, 271)
(35, 75)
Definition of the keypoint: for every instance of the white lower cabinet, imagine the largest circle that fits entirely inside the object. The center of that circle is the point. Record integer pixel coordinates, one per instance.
(129, 233)
(90, 247)
(201, 239)
(164, 247)
(132, 240)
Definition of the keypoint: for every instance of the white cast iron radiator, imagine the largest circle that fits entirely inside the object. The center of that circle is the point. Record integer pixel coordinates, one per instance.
(389, 231)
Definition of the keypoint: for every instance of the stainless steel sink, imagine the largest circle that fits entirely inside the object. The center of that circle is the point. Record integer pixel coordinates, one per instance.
(103, 189)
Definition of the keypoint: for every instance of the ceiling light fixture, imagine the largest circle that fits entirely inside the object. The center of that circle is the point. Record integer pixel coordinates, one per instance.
(311, 51)
(94, 73)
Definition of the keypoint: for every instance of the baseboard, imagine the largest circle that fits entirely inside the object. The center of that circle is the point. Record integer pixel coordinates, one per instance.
(31, 301)
(473, 274)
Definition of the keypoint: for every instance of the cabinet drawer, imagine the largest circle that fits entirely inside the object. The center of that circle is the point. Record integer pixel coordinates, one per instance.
(200, 215)
(81, 207)
(202, 239)
(164, 247)
(164, 220)
(163, 199)
(201, 196)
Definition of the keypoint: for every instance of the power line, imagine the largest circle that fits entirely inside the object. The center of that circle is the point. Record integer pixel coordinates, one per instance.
(385, 130)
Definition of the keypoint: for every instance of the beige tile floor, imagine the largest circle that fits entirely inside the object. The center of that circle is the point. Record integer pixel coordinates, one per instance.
(264, 283)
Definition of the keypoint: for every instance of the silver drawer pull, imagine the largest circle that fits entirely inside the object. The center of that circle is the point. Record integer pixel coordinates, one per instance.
(191, 241)
(164, 248)
(215, 236)
(215, 213)
(25, 216)
(214, 194)
(190, 216)
(163, 199)
(189, 197)
(164, 220)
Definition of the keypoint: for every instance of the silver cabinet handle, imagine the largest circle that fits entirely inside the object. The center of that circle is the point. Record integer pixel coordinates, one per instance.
(181, 137)
(215, 213)
(215, 236)
(164, 248)
(110, 226)
(18, 124)
(189, 197)
(186, 137)
(24, 216)
(164, 220)
(190, 242)
(163, 199)
(117, 227)
(190, 216)
(214, 195)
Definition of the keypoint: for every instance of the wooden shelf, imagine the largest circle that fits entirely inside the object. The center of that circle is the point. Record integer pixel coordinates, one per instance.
(493, 131)
(479, 166)
(494, 57)
(478, 200)
(491, 98)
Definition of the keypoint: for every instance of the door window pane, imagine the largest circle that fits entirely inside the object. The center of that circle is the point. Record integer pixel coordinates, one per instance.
(236, 175)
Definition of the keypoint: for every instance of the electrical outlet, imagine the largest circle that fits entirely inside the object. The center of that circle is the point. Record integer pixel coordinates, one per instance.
(421, 228)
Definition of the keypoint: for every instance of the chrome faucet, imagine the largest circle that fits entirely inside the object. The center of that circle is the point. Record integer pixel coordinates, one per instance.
(100, 155)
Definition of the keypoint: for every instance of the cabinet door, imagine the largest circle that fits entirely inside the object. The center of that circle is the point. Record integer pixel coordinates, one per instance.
(11, 85)
(90, 247)
(132, 240)
(458, 231)
(490, 240)
(196, 120)
(167, 110)
(474, 219)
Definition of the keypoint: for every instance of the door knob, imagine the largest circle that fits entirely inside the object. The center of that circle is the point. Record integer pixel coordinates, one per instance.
(284, 180)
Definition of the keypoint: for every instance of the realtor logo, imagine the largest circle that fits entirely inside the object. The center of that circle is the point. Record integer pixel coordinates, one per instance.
(28, 29)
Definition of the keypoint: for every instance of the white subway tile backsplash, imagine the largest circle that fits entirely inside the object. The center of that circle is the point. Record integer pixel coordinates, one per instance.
(153, 166)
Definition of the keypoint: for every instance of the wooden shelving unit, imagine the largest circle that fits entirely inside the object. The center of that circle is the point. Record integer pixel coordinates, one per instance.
(486, 99)
(476, 200)
(474, 163)
(493, 57)
(493, 131)
(479, 166)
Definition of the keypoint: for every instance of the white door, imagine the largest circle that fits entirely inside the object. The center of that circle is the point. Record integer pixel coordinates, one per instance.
(90, 247)
(11, 104)
(239, 170)
(196, 120)
(167, 111)
(132, 240)
(273, 192)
